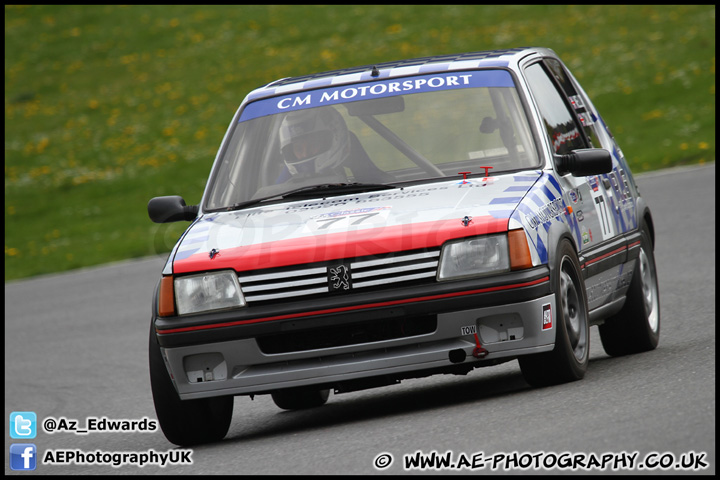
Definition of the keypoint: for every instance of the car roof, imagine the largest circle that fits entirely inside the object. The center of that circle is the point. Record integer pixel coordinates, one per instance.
(398, 68)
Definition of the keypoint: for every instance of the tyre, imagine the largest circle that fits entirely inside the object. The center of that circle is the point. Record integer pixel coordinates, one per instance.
(185, 422)
(636, 328)
(568, 361)
(300, 398)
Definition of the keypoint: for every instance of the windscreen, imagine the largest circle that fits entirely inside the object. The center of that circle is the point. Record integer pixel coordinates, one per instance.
(390, 132)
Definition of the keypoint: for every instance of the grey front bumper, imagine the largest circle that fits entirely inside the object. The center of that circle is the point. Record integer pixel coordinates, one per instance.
(239, 367)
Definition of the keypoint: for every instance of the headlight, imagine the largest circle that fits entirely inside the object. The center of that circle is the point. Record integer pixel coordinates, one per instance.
(208, 291)
(475, 256)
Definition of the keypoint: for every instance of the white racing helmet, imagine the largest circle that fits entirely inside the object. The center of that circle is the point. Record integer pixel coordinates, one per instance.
(314, 140)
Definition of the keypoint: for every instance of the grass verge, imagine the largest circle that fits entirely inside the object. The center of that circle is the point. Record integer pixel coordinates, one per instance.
(107, 106)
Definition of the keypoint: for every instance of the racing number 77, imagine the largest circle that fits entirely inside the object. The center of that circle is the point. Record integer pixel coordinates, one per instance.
(330, 221)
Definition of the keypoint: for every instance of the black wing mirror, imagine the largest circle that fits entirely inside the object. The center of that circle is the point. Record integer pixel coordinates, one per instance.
(171, 209)
(583, 162)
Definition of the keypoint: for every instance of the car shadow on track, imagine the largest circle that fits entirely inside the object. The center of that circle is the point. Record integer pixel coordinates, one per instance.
(262, 420)
(411, 396)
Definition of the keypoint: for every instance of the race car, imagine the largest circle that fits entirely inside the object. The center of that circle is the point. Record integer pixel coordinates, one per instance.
(368, 225)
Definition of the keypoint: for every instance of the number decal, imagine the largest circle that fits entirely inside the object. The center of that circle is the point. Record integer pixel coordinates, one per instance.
(326, 222)
(604, 216)
(359, 218)
(363, 217)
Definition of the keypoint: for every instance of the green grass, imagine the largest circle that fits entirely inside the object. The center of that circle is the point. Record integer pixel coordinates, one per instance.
(108, 106)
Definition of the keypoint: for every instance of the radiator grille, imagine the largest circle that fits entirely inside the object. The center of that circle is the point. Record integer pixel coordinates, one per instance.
(326, 278)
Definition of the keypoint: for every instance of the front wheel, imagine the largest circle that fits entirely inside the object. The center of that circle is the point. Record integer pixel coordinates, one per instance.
(568, 361)
(186, 422)
(636, 328)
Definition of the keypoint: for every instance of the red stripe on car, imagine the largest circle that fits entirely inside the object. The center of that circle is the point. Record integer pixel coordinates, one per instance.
(354, 307)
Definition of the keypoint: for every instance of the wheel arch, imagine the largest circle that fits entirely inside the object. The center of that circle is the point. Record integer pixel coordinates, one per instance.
(557, 233)
(645, 216)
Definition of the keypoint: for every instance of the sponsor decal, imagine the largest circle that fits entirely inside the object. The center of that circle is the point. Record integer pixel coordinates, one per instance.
(547, 317)
(594, 183)
(626, 185)
(586, 236)
(355, 211)
(376, 89)
(546, 213)
(484, 182)
(351, 217)
(606, 283)
(586, 119)
(576, 102)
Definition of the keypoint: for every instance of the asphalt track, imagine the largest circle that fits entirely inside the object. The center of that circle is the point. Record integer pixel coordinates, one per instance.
(76, 348)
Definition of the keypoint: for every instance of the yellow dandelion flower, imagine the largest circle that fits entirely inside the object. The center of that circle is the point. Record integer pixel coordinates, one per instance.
(42, 144)
(654, 114)
(328, 55)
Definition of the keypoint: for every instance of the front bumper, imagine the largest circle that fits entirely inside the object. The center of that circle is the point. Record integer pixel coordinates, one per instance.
(392, 334)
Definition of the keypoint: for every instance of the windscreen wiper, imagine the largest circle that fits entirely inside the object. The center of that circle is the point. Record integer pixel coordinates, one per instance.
(337, 189)
(249, 203)
(324, 189)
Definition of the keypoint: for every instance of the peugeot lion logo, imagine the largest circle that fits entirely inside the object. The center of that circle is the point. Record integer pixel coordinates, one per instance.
(339, 278)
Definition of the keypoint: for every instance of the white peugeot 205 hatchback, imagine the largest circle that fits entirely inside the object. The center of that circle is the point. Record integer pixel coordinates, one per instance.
(368, 225)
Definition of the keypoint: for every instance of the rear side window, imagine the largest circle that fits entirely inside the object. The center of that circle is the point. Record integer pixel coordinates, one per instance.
(562, 129)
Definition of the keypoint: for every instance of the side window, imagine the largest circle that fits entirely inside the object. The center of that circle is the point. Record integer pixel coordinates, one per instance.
(575, 99)
(560, 125)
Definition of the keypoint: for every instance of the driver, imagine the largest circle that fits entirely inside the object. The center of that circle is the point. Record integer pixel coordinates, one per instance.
(314, 141)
